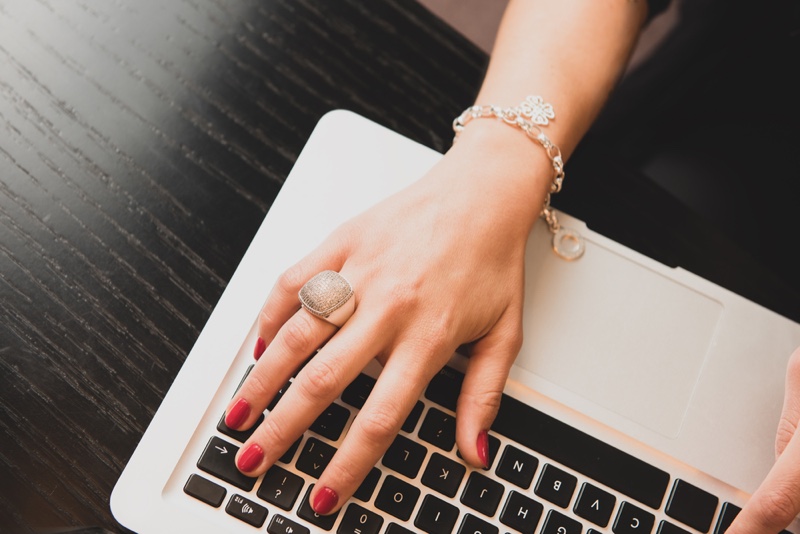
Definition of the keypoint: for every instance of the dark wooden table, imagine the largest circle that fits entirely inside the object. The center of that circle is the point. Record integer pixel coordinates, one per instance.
(142, 143)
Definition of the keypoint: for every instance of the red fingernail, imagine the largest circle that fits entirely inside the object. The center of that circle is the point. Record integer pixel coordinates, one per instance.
(325, 501)
(483, 448)
(237, 414)
(250, 458)
(259, 349)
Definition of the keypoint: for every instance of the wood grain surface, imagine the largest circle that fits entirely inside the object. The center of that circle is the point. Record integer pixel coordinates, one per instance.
(141, 144)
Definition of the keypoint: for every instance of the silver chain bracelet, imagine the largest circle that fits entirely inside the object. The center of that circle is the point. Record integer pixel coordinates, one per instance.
(529, 116)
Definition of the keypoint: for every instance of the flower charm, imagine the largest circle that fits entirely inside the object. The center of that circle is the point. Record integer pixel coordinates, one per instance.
(536, 109)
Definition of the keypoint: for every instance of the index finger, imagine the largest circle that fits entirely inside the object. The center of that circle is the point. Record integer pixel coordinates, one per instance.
(777, 501)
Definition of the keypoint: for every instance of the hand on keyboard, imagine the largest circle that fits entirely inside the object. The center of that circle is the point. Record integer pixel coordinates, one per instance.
(430, 273)
(777, 502)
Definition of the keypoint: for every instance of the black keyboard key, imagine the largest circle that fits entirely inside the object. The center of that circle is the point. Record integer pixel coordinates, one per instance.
(579, 451)
(397, 498)
(482, 494)
(248, 511)
(436, 516)
(558, 523)
(445, 387)
(358, 520)
(404, 456)
(280, 487)
(314, 457)
(239, 435)
(595, 504)
(521, 513)
(219, 459)
(278, 396)
(394, 528)
(331, 422)
(439, 428)
(562, 443)
(359, 389)
(411, 421)
(633, 520)
(205, 490)
(475, 525)
(283, 525)
(289, 454)
(691, 505)
(726, 516)
(305, 511)
(556, 486)
(443, 474)
(665, 527)
(364, 491)
(517, 467)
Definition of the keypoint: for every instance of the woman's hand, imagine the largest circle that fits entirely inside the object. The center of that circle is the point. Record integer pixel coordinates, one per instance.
(438, 265)
(777, 502)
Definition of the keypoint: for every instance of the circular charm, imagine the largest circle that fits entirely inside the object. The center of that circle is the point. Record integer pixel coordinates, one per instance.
(568, 244)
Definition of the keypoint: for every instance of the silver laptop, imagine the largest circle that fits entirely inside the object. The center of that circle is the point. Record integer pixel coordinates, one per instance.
(645, 399)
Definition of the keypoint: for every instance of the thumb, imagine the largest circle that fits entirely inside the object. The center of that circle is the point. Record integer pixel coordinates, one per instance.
(482, 389)
(777, 501)
(790, 415)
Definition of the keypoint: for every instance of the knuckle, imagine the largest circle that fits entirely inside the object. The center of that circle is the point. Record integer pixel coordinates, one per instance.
(258, 384)
(292, 279)
(297, 334)
(342, 473)
(378, 425)
(272, 432)
(484, 400)
(267, 321)
(320, 381)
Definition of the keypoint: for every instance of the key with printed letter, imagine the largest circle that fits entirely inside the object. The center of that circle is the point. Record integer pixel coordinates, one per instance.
(521, 513)
(404, 456)
(443, 474)
(482, 494)
(556, 486)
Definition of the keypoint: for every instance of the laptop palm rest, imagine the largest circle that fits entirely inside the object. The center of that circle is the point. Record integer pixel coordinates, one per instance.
(616, 333)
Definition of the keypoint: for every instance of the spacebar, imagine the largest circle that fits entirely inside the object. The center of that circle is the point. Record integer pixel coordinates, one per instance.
(564, 444)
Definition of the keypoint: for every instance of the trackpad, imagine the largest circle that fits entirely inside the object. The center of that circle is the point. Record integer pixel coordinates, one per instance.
(616, 333)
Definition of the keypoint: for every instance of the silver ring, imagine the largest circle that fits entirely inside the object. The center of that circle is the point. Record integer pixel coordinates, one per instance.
(329, 296)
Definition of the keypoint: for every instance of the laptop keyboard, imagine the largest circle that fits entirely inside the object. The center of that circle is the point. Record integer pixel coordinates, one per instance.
(544, 477)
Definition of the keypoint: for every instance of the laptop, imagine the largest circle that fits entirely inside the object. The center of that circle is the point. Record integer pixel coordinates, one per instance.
(644, 399)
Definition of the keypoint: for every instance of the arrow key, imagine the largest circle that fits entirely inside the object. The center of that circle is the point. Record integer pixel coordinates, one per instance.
(218, 459)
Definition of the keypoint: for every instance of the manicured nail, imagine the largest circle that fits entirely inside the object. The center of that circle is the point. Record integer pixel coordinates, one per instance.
(259, 349)
(325, 501)
(237, 414)
(483, 448)
(250, 458)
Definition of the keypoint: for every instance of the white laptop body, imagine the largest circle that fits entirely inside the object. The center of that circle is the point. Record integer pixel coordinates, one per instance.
(654, 361)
